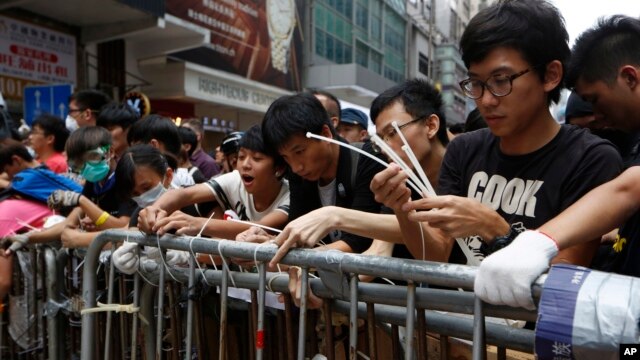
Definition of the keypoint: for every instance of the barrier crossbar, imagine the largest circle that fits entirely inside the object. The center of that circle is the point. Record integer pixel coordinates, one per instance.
(338, 281)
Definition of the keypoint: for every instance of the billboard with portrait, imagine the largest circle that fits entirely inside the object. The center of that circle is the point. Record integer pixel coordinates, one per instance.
(260, 40)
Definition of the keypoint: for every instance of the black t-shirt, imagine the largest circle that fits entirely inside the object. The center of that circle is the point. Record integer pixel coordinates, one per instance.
(526, 190)
(305, 196)
(104, 195)
(625, 255)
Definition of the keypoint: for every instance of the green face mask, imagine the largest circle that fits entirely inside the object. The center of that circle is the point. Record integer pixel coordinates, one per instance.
(95, 172)
(96, 164)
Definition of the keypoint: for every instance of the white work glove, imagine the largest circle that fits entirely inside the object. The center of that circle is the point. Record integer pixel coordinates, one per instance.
(505, 277)
(125, 258)
(63, 198)
(177, 258)
(17, 242)
(153, 253)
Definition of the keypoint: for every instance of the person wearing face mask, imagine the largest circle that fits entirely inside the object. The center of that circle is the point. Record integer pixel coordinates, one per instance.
(96, 208)
(143, 175)
(84, 106)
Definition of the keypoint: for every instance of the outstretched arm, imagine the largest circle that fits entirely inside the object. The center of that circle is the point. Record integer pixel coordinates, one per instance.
(598, 212)
(171, 201)
(505, 277)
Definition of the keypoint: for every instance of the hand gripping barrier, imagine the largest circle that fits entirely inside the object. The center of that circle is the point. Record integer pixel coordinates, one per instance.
(395, 305)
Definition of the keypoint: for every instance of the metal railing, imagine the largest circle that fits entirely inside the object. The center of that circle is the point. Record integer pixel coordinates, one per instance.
(396, 305)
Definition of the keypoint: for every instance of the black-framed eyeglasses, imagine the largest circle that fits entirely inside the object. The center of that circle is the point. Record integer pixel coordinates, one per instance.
(71, 111)
(391, 133)
(498, 85)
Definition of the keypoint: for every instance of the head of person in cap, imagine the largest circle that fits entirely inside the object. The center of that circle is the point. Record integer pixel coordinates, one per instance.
(230, 146)
(353, 125)
(580, 113)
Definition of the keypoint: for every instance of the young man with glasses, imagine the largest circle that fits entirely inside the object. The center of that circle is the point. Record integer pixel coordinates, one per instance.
(417, 109)
(525, 168)
(611, 84)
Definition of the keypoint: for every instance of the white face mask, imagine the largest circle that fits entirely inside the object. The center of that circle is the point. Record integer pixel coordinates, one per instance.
(71, 123)
(150, 196)
(32, 152)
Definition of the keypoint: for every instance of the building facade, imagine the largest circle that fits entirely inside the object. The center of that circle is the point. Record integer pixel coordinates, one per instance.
(224, 61)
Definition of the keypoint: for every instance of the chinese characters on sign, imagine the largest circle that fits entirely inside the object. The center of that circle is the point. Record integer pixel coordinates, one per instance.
(31, 54)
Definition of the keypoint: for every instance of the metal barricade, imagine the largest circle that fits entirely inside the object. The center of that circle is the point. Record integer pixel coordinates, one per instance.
(396, 305)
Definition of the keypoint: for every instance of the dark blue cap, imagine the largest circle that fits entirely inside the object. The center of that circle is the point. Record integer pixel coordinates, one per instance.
(576, 107)
(355, 117)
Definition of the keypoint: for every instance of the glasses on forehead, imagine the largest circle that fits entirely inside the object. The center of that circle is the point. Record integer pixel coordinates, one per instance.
(499, 85)
(94, 156)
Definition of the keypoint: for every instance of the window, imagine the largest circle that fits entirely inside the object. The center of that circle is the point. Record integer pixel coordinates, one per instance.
(362, 54)
(423, 64)
(362, 15)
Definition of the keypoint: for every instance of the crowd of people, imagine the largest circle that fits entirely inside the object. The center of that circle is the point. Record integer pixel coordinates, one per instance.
(513, 193)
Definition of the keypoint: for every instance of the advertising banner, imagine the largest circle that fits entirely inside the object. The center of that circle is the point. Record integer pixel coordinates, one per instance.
(32, 54)
(260, 40)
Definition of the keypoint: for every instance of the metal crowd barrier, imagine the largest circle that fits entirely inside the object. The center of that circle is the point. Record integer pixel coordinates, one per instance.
(396, 305)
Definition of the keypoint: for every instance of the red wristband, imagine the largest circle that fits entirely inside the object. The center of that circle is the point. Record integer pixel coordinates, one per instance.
(552, 239)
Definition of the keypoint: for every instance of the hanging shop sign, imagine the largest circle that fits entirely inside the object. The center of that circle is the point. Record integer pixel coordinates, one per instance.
(257, 39)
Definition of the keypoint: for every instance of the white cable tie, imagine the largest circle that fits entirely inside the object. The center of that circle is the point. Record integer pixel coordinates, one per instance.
(389, 281)
(26, 224)
(258, 225)
(128, 308)
(272, 279)
(164, 262)
(195, 258)
(413, 179)
(353, 148)
(224, 262)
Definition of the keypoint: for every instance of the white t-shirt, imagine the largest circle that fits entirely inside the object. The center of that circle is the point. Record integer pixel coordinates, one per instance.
(232, 195)
(182, 178)
(328, 193)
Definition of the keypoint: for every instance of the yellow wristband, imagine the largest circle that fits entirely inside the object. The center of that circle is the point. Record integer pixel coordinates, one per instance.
(102, 219)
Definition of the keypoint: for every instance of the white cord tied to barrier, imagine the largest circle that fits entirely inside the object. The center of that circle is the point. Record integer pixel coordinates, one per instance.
(128, 308)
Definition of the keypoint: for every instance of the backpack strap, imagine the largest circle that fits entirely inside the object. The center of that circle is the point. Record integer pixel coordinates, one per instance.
(355, 156)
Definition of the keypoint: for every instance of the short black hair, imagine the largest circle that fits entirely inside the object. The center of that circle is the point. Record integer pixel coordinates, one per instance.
(114, 114)
(535, 28)
(188, 136)
(85, 139)
(90, 99)
(474, 121)
(599, 52)
(333, 108)
(156, 127)
(252, 140)
(134, 157)
(53, 125)
(10, 147)
(195, 124)
(419, 99)
(292, 115)
(457, 128)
